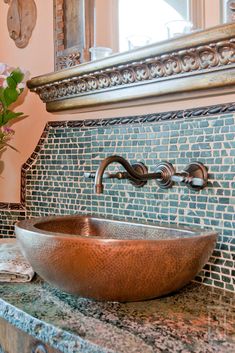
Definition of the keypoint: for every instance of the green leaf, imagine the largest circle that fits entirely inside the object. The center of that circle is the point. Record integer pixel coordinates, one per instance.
(11, 82)
(17, 75)
(10, 95)
(2, 98)
(1, 120)
(9, 115)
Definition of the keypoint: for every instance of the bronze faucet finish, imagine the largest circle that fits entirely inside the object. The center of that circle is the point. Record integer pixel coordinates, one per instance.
(137, 173)
(195, 175)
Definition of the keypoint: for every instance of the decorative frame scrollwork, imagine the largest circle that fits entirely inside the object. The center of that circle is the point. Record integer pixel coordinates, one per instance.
(193, 63)
(165, 66)
(228, 11)
(75, 49)
(73, 32)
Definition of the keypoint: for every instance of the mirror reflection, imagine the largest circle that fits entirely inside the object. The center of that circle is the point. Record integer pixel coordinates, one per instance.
(123, 25)
(93, 29)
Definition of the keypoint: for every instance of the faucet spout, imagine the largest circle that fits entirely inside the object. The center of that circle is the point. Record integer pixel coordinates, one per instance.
(99, 189)
(131, 174)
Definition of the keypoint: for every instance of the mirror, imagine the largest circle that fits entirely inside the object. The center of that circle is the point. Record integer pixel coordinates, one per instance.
(134, 23)
(73, 32)
(87, 30)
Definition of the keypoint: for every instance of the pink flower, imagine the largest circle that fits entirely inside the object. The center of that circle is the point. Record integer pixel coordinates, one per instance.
(5, 71)
(22, 84)
(3, 68)
(26, 74)
(7, 99)
(7, 130)
(6, 134)
(2, 80)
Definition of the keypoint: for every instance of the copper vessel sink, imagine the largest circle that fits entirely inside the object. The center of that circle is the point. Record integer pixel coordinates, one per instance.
(113, 260)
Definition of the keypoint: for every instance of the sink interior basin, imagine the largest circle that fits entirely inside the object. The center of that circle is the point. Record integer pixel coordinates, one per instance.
(109, 229)
(113, 260)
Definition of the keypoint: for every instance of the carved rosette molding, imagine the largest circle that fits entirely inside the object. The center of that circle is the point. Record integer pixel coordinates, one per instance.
(112, 122)
(199, 63)
(68, 60)
(73, 31)
(193, 60)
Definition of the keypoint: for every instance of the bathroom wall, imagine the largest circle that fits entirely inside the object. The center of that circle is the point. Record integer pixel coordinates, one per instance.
(54, 176)
(53, 180)
(38, 58)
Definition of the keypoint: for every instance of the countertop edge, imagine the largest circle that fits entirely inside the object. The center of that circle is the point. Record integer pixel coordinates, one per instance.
(57, 338)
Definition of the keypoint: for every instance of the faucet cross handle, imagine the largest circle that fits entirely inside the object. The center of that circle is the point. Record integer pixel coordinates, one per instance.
(195, 176)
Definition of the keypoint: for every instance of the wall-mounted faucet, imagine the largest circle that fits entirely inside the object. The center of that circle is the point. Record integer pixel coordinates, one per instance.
(195, 175)
(136, 173)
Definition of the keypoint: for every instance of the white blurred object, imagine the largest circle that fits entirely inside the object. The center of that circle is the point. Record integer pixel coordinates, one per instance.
(178, 28)
(13, 266)
(137, 41)
(99, 52)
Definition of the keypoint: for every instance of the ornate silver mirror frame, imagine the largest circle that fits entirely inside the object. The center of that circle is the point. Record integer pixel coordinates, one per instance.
(73, 31)
(227, 10)
(198, 64)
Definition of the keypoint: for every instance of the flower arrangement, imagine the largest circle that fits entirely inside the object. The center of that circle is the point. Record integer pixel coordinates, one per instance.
(12, 84)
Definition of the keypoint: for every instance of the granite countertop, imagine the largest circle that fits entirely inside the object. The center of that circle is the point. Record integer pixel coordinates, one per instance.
(197, 319)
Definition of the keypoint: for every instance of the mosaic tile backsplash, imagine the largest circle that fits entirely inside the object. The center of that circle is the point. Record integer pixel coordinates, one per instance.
(8, 219)
(55, 181)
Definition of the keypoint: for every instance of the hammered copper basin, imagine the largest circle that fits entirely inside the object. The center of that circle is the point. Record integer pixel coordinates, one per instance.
(113, 260)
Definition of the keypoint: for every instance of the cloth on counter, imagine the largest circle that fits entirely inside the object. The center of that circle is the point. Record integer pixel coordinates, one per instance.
(13, 266)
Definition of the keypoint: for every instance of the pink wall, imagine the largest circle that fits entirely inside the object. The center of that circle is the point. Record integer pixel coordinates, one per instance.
(37, 57)
(106, 17)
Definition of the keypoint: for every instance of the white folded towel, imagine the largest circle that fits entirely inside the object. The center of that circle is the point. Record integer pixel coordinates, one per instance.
(13, 266)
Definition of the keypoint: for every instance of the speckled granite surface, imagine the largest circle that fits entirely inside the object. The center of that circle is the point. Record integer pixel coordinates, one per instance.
(197, 319)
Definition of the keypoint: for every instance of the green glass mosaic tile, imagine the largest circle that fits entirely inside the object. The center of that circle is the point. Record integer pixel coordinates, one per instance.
(55, 182)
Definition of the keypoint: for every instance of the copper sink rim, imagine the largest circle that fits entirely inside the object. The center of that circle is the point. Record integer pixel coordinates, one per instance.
(28, 226)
